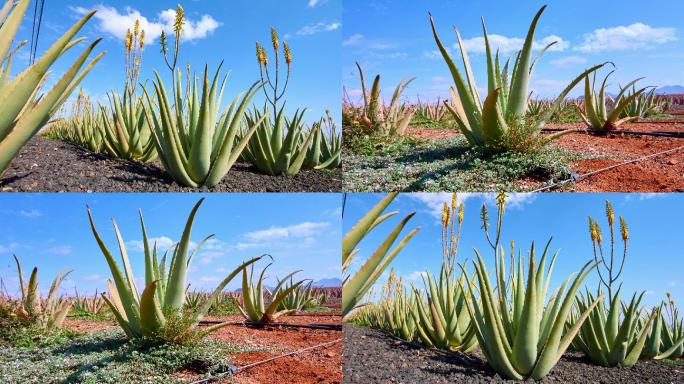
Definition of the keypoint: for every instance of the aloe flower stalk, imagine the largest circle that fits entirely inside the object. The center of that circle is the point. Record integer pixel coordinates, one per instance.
(487, 124)
(195, 147)
(22, 110)
(145, 315)
(48, 314)
(355, 287)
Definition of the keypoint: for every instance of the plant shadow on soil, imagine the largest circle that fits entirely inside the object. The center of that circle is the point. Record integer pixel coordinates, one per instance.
(45, 165)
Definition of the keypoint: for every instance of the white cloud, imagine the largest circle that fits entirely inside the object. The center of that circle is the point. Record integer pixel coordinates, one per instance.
(568, 60)
(32, 214)
(61, 250)
(163, 243)
(313, 3)
(302, 230)
(416, 275)
(319, 27)
(352, 40)
(634, 36)
(116, 24)
(511, 44)
(643, 196)
(435, 201)
(672, 283)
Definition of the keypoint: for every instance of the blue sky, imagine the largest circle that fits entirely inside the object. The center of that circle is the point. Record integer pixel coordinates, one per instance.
(51, 231)
(393, 38)
(215, 31)
(654, 262)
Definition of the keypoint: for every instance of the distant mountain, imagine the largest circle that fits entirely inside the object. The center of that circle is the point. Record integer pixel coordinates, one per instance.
(327, 283)
(670, 90)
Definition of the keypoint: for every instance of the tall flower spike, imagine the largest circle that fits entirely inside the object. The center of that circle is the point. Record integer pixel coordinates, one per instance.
(610, 214)
(274, 39)
(128, 43)
(484, 217)
(179, 21)
(592, 230)
(454, 201)
(136, 27)
(142, 39)
(599, 235)
(624, 229)
(501, 200)
(162, 42)
(460, 213)
(288, 53)
(445, 214)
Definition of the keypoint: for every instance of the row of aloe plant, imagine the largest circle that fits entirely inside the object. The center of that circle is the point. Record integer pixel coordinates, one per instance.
(164, 311)
(196, 142)
(510, 317)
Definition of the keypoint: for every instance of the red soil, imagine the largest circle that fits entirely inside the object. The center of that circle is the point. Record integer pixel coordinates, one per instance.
(320, 365)
(664, 173)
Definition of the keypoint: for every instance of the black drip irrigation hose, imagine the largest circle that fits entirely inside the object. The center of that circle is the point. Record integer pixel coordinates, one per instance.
(327, 327)
(676, 135)
(233, 369)
(577, 177)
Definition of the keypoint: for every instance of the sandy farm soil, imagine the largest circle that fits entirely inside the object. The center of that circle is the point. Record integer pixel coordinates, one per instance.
(320, 365)
(54, 166)
(664, 173)
(371, 356)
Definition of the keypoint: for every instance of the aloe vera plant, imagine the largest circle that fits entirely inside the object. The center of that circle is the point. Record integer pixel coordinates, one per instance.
(393, 313)
(48, 314)
(22, 110)
(663, 342)
(488, 124)
(254, 307)
(615, 335)
(673, 329)
(195, 148)
(279, 147)
(145, 316)
(298, 299)
(443, 320)
(391, 120)
(644, 105)
(325, 150)
(125, 130)
(81, 127)
(356, 286)
(597, 114)
(88, 304)
(523, 337)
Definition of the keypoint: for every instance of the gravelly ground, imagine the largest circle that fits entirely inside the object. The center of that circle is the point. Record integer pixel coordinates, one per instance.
(54, 166)
(370, 356)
